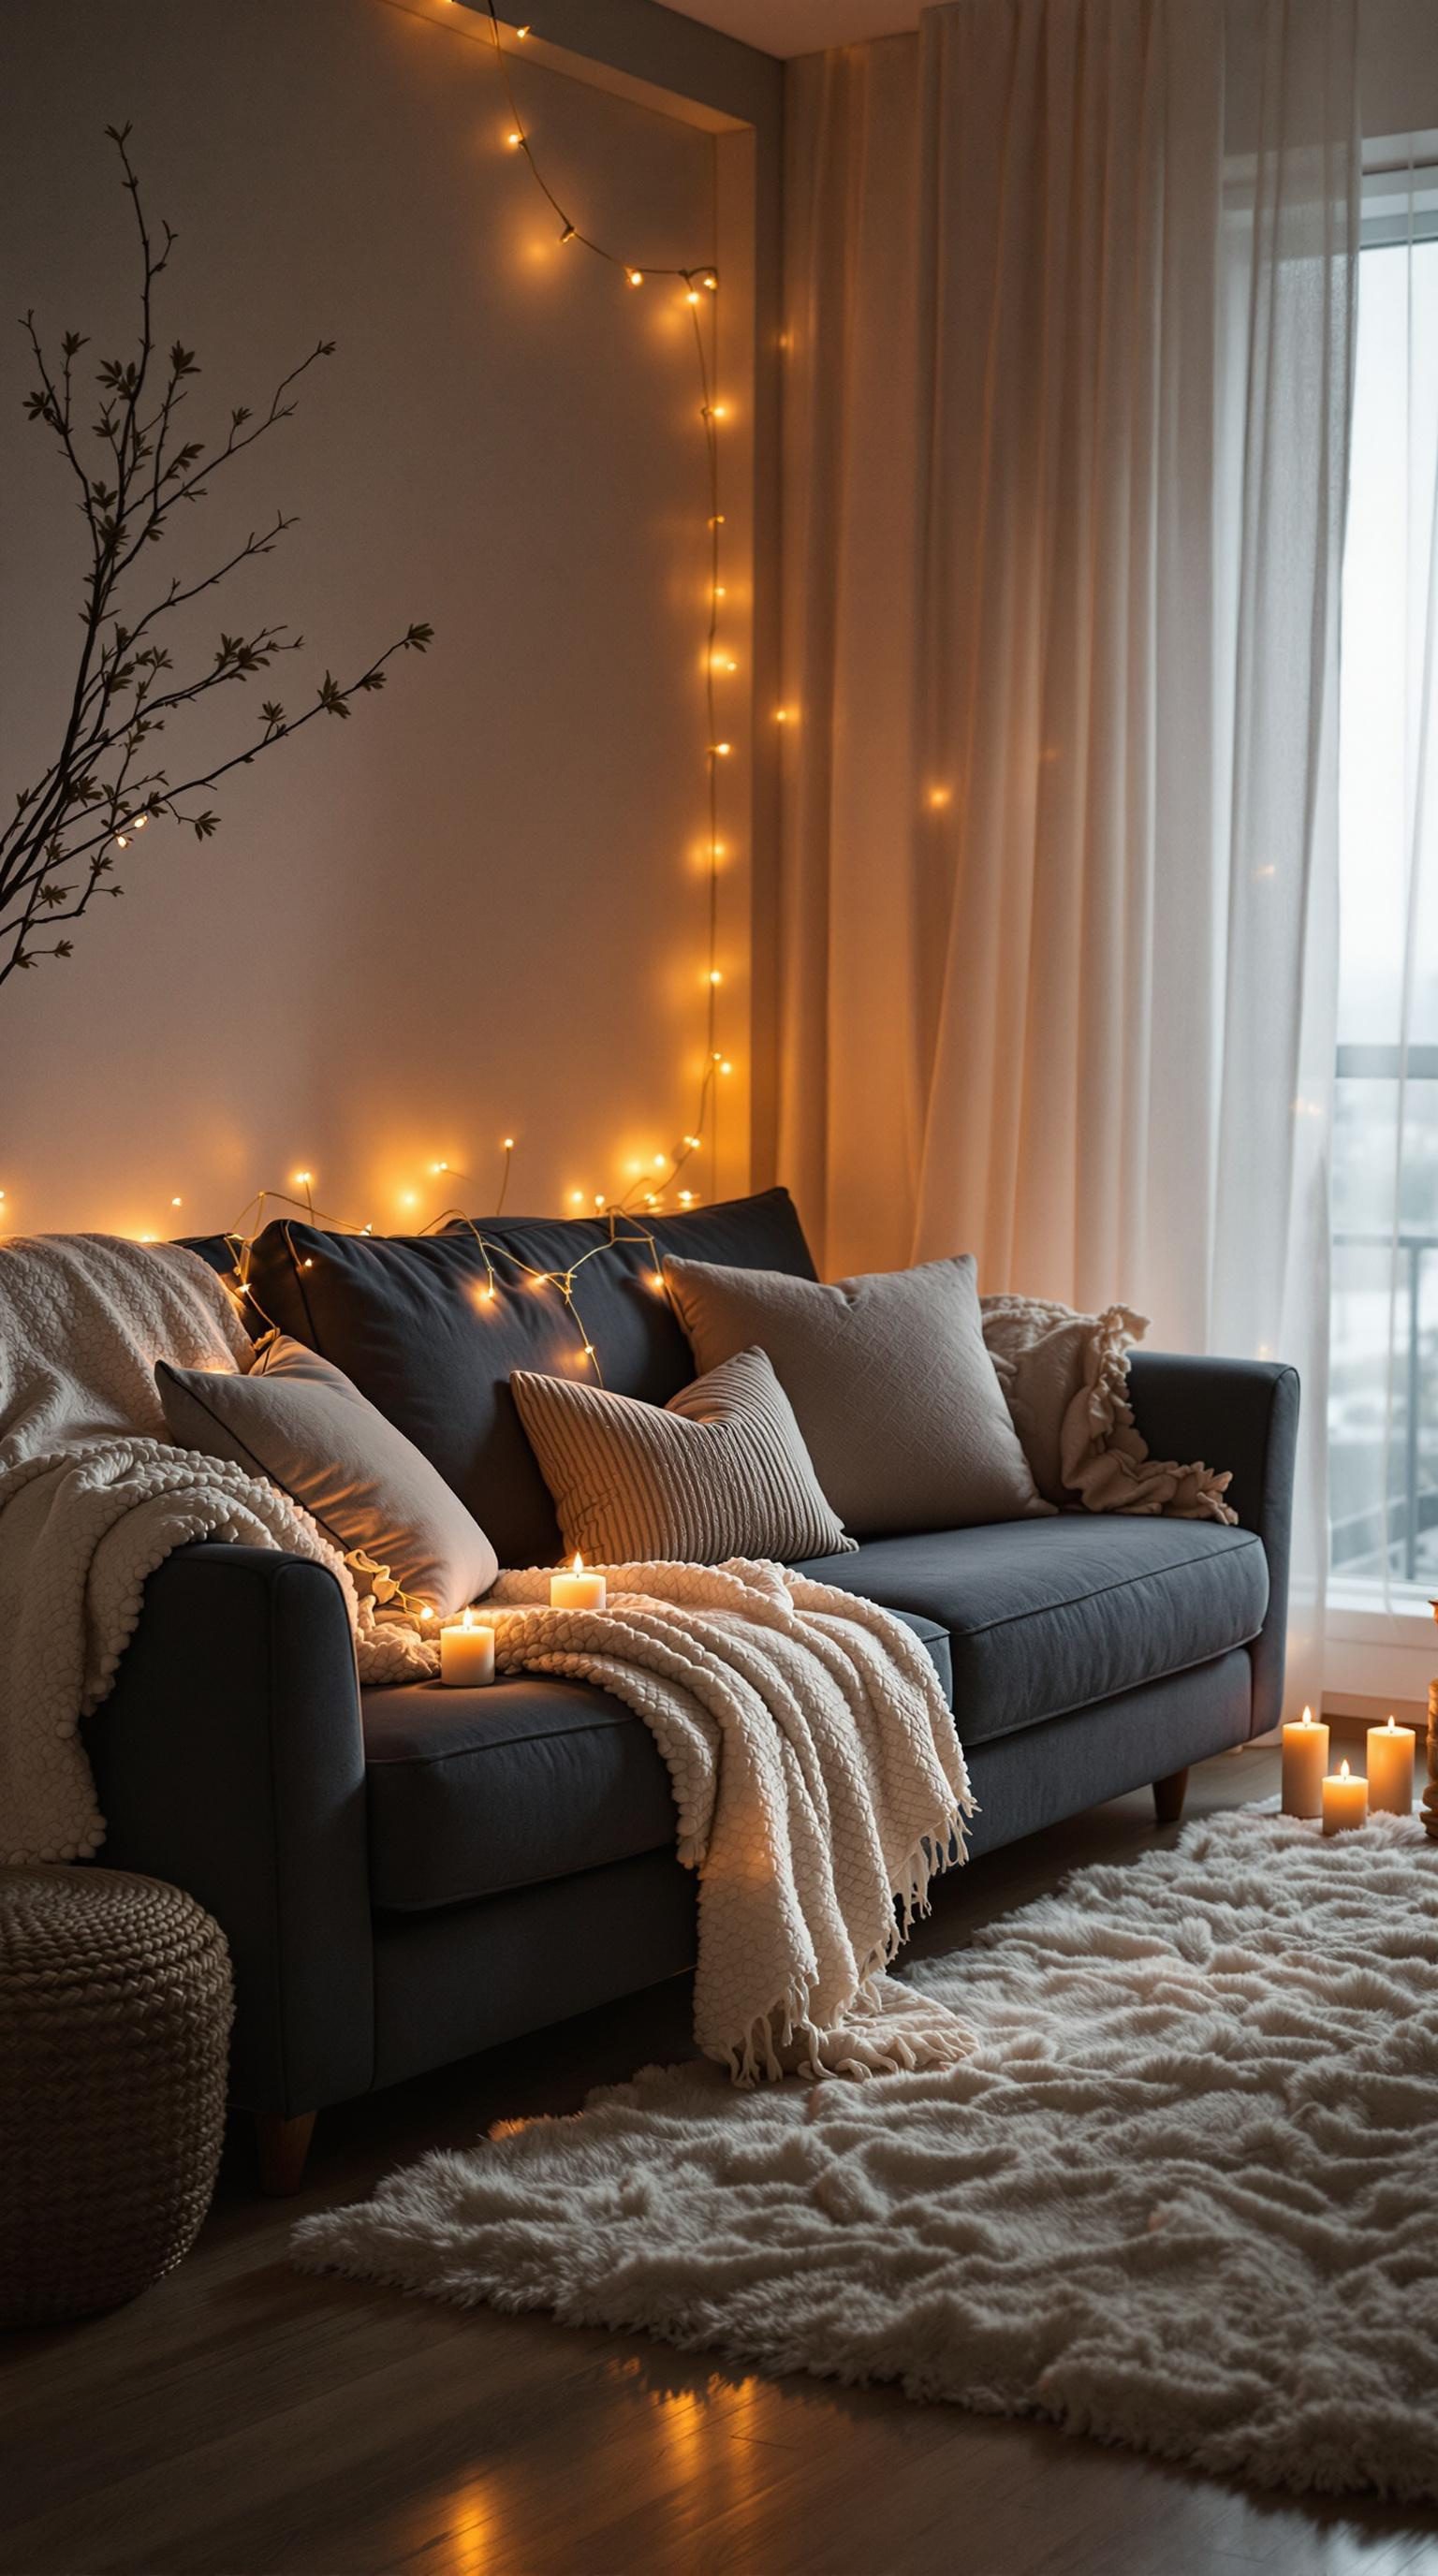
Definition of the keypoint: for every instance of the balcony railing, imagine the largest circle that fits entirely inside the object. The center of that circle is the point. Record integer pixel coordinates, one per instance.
(1412, 1506)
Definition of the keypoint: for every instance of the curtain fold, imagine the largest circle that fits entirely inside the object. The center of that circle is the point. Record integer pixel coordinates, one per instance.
(1070, 328)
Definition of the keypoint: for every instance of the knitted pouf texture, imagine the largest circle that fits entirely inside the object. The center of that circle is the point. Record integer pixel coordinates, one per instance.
(115, 2012)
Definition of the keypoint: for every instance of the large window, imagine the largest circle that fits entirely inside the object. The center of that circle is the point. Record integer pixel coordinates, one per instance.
(1384, 1352)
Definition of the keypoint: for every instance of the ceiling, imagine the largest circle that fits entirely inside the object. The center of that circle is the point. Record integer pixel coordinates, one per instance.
(801, 26)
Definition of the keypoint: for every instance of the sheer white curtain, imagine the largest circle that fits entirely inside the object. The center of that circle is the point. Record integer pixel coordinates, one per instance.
(1384, 1400)
(1070, 333)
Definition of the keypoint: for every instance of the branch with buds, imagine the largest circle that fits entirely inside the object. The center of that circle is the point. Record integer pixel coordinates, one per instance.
(105, 785)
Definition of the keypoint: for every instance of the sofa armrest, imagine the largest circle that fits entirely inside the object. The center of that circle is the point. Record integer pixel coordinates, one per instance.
(229, 1759)
(1241, 1414)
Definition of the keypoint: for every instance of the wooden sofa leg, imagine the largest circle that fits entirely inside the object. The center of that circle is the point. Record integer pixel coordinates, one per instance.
(1168, 1797)
(282, 2146)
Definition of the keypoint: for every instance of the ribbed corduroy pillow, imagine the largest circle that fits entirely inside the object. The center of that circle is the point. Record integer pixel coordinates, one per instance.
(720, 1470)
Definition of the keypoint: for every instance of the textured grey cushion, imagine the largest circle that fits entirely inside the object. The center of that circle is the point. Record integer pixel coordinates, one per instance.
(298, 1420)
(1047, 1616)
(888, 1376)
(719, 1471)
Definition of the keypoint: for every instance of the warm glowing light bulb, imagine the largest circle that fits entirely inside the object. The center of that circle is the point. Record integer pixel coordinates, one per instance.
(715, 975)
(509, 1144)
(486, 1295)
(939, 796)
(600, 1200)
(721, 750)
(656, 1278)
(521, 33)
(304, 1179)
(576, 1198)
(437, 1168)
(718, 411)
(693, 1144)
(635, 276)
(587, 1352)
(659, 1162)
(724, 1065)
(568, 233)
(139, 822)
(514, 138)
(173, 1202)
(781, 715)
(122, 844)
(692, 297)
(684, 1197)
(712, 282)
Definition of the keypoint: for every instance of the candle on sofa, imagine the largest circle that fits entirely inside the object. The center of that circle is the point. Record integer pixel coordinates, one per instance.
(1345, 1801)
(466, 1653)
(577, 1590)
(1305, 1760)
(1390, 1768)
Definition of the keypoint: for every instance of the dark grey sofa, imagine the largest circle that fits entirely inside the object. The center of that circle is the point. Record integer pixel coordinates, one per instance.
(408, 1875)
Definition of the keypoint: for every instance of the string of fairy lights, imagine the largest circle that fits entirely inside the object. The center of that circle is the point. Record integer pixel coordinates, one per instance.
(700, 288)
(649, 1186)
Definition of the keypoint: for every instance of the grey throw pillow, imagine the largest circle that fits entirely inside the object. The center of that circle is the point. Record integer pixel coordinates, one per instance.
(889, 1379)
(719, 1471)
(298, 1420)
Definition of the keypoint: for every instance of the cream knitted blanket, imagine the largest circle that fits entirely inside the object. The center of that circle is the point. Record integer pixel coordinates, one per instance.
(819, 1785)
(93, 1497)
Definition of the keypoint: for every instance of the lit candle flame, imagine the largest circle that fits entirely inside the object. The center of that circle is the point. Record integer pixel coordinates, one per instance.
(1308, 1717)
(578, 1565)
(1343, 1771)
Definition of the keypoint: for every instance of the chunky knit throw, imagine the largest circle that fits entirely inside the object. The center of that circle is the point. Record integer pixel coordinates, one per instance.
(819, 1786)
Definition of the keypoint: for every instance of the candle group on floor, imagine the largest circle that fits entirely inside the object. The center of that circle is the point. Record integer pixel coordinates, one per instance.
(1343, 1798)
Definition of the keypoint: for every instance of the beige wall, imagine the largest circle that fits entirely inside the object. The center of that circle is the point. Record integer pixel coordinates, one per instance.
(477, 908)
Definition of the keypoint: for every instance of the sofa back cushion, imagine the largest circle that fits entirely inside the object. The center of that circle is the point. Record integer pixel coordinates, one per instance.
(408, 1320)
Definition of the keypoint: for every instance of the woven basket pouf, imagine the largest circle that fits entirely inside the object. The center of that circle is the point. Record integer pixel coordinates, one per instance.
(115, 2010)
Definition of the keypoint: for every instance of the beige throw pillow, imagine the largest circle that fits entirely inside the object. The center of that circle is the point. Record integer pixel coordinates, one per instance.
(889, 1379)
(1065, 1380)
(300, 1421)
(719, 1471)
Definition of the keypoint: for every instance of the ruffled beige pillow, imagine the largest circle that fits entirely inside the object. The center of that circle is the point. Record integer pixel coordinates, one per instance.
(1065, 1380)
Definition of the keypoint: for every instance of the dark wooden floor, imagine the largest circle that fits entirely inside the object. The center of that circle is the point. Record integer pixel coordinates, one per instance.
(241, 2420)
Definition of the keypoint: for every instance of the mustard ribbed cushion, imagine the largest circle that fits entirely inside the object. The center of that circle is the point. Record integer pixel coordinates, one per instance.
(721, 1470)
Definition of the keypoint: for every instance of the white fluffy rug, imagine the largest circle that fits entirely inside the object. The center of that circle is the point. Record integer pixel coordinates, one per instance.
(1182, 2197)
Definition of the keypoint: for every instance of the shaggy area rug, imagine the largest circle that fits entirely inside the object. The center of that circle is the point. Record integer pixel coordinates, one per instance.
(1180, 2198)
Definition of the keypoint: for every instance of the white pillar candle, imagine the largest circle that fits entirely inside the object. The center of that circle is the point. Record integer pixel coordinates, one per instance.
(1305, 1759)
(466, 1653)
(1345, 1801)
(1390, 1768)
(577, 1590)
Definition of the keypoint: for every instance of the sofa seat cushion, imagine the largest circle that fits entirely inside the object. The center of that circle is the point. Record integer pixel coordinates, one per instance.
(474, 1791)
(1046, 1616)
